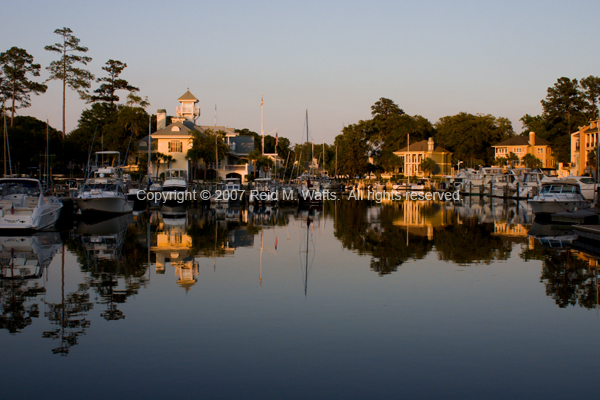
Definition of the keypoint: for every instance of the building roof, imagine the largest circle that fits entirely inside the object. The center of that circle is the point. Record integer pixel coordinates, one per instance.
(188, 96)
(178, 129)
(422, 146)
(143, 142)
(522, 141)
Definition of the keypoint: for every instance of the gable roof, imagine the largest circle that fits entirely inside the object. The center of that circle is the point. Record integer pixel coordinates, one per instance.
(181, 128)
(422, 146)
(522, 141)
(188, 96)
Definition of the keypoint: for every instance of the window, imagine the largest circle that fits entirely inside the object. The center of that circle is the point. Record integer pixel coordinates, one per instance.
(175, 146)
(540, 150)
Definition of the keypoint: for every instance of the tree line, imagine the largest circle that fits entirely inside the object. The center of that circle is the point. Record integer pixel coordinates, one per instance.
(364, 147)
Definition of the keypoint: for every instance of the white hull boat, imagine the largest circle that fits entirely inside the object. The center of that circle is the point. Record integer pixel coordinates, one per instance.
(558, 197)
(24, 206)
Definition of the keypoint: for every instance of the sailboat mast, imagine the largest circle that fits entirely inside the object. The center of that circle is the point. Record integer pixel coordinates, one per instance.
(307, 164)
(4, 112)
(312, 154)
(47, 155)
(262, 131)
(216, 157)
(150, 148)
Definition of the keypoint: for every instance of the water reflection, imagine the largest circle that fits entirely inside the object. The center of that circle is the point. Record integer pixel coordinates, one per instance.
(118, 257)
(23, 260)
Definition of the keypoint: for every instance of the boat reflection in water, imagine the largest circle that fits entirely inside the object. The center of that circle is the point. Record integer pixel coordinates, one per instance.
(23, 260)
(116, 273)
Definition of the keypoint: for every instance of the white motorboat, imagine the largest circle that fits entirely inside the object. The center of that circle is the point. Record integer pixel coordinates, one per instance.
(175, 187)
(233, 190)
(558, 197)
(105, 192)
(264, 191)
(586, 185)
(25, 205)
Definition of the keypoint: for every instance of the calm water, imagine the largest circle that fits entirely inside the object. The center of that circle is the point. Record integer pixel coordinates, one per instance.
(357, 300)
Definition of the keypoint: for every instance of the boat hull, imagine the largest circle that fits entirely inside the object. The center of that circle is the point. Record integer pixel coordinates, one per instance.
(557, 206)
(112, 205)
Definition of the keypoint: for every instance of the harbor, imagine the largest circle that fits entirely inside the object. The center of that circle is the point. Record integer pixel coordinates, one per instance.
(285, 200)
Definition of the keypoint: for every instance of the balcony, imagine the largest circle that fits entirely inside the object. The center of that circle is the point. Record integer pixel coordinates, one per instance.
(187, 110)
(240, 169)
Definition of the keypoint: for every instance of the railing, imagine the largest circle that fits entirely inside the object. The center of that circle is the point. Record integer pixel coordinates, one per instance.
(237, 168)
(188, 110)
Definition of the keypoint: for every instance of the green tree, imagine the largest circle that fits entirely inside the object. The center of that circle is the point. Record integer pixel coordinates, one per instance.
(64, 69)
(512, 158)
(206, 146)
(531, 161)
(353, 150)
(534, 123)
(16, 64)
(563, 112)
(428, 166)
(112, 83)
(384, 109)
(470, 137)
(501, 161)
(28, 144)
(590, 92)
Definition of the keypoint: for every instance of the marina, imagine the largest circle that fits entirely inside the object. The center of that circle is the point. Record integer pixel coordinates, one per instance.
(173, 224)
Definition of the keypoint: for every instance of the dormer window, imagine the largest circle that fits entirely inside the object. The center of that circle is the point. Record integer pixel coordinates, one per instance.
(175, 129)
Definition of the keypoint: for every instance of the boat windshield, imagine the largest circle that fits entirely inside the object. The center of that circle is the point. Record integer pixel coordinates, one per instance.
(554, 189)
(104, 186)
(19, 187)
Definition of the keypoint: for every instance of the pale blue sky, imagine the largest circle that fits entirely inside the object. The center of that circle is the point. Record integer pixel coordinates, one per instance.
(334, 58)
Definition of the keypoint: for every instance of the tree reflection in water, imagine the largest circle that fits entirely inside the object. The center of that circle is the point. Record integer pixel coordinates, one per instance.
(15, 301)
(570, 277)
(362, 230)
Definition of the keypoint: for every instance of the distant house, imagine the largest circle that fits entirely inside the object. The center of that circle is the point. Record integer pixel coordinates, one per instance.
(417, 152)
(521, 145)
(176, 139)
(582, 142)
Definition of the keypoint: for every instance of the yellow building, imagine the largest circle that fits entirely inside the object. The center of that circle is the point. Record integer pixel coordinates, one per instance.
(417, 152)
(174, 140)
(582, 142)
(520, 146)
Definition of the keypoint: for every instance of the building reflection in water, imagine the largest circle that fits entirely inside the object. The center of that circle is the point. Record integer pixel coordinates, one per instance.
(421, 218)
(173, 246)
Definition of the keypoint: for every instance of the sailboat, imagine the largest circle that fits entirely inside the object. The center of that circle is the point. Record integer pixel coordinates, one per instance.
(309, 186)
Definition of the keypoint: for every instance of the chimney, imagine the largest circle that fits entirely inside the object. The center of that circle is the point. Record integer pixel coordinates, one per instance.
(161, 119)
(430, 145)
(532, 138)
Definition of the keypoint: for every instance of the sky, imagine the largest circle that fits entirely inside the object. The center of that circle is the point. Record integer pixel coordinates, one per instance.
(332, 58)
